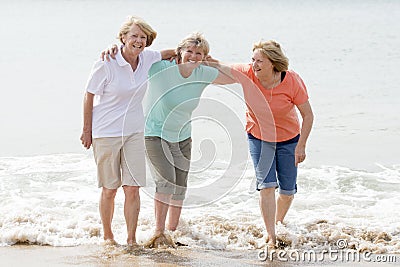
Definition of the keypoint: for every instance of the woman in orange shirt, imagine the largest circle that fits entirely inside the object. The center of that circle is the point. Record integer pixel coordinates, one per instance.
(276, 141)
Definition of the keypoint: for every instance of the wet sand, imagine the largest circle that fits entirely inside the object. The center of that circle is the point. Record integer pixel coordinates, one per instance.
(91, 255)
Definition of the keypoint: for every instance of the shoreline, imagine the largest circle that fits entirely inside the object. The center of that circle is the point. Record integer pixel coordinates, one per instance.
(93, 255)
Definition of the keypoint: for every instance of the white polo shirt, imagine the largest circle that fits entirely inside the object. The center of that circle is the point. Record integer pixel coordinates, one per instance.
(119, 91)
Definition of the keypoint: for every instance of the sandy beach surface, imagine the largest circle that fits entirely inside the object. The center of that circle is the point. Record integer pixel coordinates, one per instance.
(28, 255)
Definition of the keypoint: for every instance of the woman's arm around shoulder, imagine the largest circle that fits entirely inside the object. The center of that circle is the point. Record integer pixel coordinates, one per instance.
(224, 71)
(168, 54)
(110, 52)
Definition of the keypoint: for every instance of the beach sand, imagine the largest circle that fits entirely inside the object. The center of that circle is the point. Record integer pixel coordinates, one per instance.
(91, 255)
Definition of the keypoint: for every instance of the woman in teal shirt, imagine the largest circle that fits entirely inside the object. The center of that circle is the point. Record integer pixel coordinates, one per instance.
(175, 88)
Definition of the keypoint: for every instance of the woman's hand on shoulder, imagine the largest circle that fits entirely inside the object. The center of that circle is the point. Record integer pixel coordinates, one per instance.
(210, 61)
(224, 71)
(169, 54)
(109, 52)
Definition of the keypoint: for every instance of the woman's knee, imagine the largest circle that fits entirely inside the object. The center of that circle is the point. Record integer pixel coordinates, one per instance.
(131, 191)
(286, 197)
(109, 193)
(268, 190)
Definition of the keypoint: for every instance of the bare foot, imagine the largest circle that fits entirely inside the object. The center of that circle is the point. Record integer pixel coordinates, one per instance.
(109, 242)
(161, 240)
(270, 243)
(131, 243)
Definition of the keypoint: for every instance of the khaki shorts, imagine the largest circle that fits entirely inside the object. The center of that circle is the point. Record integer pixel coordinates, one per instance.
(169, 165)
(120, 161)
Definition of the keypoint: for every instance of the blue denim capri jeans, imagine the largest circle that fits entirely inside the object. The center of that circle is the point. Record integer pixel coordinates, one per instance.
(274, 164)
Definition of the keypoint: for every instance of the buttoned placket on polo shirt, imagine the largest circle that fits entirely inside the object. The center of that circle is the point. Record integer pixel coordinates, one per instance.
(132, 72)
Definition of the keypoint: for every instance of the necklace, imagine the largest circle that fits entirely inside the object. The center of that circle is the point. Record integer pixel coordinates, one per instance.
(276, 80)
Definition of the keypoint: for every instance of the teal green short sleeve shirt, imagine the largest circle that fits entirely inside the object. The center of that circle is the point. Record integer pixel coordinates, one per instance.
(172, 98)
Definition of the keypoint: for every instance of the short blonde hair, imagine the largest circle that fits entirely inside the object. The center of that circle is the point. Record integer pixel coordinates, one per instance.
(272, 50)
(197, 39)
(143, 25)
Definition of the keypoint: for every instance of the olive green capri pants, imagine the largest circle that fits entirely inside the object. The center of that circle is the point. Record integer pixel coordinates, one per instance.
(169, 164)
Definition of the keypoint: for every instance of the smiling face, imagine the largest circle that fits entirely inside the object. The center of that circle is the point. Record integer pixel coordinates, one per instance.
(262, 66)
(135, 40)
(192, 55)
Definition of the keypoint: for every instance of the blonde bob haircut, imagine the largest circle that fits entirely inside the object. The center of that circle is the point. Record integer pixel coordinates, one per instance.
(272, 50)
(143, 25)
(197, 39)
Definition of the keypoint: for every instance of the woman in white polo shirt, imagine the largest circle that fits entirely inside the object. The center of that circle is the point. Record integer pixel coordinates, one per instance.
(114, 122)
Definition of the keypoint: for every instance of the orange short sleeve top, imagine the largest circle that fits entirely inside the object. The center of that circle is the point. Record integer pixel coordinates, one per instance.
(271, 115)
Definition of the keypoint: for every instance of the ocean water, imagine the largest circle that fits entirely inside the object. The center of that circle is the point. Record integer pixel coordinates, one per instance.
(348, 54)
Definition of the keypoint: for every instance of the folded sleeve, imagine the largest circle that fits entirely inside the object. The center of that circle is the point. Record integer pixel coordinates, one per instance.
(98, 78)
